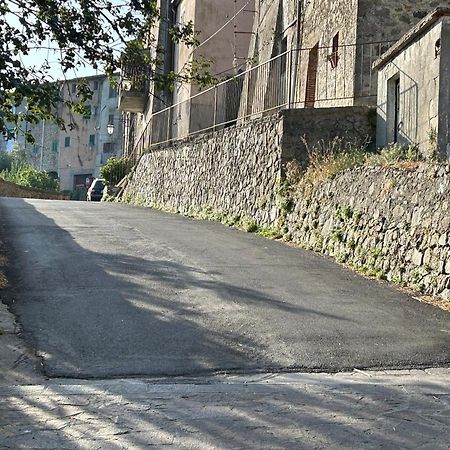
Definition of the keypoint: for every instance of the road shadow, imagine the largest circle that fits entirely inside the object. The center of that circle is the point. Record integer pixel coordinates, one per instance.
(101, 318)
(134, 415)
(92, 311)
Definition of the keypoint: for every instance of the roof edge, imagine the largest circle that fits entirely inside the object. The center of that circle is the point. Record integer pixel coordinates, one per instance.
(407, 38)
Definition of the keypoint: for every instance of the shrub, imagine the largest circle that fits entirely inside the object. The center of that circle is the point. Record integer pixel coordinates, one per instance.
(115, 170)
(394, 154)
(24, 174)
(78, 194)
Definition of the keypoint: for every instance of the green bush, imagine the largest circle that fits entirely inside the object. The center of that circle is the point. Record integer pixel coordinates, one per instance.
(115, 170)
(24, 174)
(78, 194)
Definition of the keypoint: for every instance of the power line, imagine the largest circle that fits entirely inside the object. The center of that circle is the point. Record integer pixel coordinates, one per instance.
(223, 26)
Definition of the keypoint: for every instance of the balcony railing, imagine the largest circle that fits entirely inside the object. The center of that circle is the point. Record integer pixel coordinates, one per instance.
(316, 77)
(134, 88)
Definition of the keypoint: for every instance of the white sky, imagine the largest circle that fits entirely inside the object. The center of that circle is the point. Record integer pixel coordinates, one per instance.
(38, 56)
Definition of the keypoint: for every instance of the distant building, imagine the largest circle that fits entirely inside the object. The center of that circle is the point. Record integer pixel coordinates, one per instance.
(86, 145)
(76, 155)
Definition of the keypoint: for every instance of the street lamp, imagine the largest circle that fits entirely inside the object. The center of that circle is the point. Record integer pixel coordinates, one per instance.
(110, 128)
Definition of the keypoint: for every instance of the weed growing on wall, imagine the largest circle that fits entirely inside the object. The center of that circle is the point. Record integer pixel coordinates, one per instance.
(327, 160)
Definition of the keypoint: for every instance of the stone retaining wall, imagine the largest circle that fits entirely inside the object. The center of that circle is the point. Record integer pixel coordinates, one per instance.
(8, 189)
(237, 170)
(386, 222)
(233, 170)
(392, 223)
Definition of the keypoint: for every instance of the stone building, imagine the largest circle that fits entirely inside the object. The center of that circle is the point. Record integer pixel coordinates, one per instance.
(331, 47)
(414, 88)
(223, 29)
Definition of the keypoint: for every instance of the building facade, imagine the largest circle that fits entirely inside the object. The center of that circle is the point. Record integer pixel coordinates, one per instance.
(85, 145)
(414, 88)
(223, 30)
(331, 47)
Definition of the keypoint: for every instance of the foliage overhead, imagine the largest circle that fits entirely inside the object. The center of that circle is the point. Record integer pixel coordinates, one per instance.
(106, 34)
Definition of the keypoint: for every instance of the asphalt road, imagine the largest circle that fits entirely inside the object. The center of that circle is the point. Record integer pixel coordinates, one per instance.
(108, 290)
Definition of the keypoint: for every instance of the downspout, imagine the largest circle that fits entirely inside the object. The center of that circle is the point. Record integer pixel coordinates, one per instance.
(298, 45)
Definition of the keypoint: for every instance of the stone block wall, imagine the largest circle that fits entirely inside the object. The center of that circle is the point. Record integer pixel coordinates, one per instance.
(8, 189)
(392, 223)
(237, 170)
(312, 127)
(386, 222)
(234, 171)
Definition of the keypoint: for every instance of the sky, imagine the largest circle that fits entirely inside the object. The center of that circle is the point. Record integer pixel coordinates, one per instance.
(37, 57)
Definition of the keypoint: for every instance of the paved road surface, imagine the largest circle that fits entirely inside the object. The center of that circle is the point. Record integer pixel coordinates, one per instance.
(106, 290)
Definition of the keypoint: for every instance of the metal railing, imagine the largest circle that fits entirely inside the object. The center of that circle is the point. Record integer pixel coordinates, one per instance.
(311, 77)
(135, 78)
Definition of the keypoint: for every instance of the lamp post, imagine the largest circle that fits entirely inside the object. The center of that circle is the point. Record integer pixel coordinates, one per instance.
(110, 128)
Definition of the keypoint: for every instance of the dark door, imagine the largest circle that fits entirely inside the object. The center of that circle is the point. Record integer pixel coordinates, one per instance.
(396, 109)
(311, 78)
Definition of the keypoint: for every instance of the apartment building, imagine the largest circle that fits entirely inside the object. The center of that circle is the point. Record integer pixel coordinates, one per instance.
(223, 30)
(76, 155)
(89, 140)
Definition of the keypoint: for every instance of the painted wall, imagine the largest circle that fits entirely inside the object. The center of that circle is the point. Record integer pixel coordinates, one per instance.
(226, 52)
(83, 156)
(419, 69)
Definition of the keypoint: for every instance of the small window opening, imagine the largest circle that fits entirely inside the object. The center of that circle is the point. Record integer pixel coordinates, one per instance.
(437, 48)
(334, 56)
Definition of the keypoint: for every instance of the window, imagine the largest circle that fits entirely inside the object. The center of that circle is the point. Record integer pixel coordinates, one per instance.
(334, 56)
(108, 147)
(35, 148)
(87, 112)
(95, 111)
(111, 119)
(54, 146)
(74, 88)
(95, 87)
(67, 141)
(92, 139)
(112, 92)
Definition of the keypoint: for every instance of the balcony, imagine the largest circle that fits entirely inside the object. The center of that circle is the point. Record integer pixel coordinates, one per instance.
(134, 87)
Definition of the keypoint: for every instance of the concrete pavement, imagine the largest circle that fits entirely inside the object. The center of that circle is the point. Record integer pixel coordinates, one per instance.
(361, 410)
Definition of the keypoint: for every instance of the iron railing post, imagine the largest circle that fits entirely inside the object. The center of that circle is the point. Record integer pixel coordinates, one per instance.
(215, 108)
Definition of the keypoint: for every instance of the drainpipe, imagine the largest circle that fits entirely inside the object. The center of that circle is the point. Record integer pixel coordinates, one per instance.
(298, 44)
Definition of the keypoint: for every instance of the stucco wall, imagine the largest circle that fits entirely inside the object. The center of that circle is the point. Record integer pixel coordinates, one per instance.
(419, 69)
